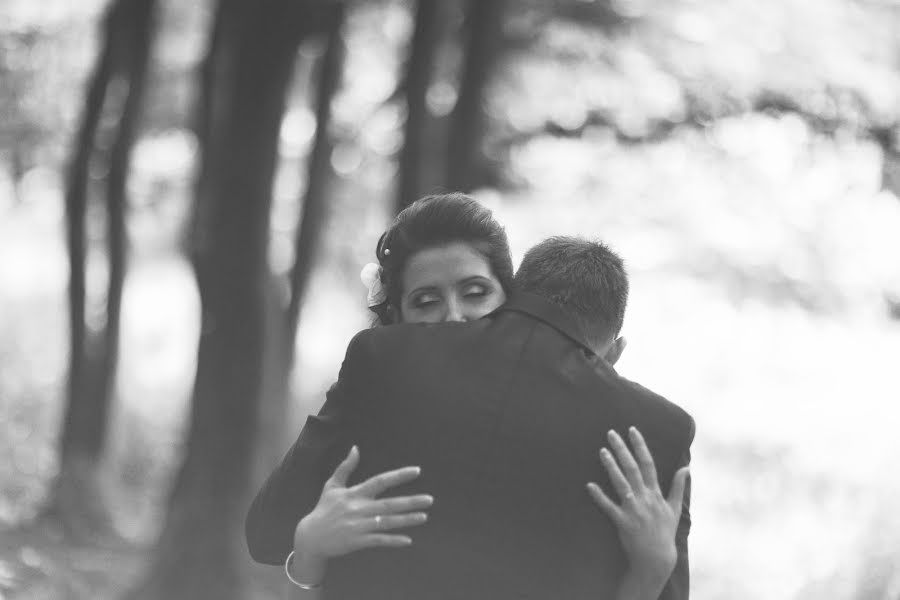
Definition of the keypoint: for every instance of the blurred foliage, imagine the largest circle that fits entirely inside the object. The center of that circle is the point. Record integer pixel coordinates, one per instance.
(685, 61)
(741, 155)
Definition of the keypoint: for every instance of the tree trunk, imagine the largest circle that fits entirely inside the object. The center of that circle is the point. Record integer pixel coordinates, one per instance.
(201, 553)
(73, 439)
(419, 68)
(465, 157)
(318, 173)
(116, 194)
(215, 66)
(128, 30)
(281, 328)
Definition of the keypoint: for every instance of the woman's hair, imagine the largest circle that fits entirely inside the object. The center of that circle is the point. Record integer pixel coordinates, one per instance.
(435, 221)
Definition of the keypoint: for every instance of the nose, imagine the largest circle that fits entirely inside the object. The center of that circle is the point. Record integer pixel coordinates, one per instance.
(455, 313)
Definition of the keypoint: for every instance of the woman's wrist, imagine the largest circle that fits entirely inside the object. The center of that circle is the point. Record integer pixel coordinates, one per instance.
(642, 584)
(655, 566)
(308, 569)
(656, 572)
(293, 576)
(308, 564)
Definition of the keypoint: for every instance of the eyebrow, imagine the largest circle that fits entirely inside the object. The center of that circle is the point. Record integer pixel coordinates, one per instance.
(473, 278)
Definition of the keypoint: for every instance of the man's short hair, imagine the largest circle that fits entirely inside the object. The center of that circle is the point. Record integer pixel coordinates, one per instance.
(585, 278)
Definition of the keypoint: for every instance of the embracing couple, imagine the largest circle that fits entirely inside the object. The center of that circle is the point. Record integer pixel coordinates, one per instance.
(483, 446)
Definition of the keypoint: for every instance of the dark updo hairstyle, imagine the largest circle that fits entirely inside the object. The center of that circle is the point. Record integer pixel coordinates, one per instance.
(435, 221)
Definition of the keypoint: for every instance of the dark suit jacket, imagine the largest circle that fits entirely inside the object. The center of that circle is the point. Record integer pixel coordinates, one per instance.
(505, 415)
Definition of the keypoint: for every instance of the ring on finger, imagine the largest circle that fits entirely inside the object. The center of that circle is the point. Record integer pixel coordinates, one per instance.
(378, 520)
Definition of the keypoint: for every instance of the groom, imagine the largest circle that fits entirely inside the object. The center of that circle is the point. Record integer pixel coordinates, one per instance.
(504, 416)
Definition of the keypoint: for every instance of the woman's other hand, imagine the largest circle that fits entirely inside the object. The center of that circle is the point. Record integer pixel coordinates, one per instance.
(347, 519)
(645, 519)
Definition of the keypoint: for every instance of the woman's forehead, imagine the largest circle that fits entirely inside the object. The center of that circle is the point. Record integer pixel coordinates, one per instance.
(444, 265)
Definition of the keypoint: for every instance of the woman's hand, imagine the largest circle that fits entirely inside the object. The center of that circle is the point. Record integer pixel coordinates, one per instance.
(645, 519)
(347, 519)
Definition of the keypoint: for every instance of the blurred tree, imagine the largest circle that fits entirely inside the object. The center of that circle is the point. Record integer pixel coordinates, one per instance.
(244, 82)
(447, 153)
(483, 44)
(318, 171)
(415, 155)
(104, 144)
(282, 324)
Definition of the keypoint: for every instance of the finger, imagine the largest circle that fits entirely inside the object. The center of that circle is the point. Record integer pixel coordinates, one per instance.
(644, 458)
(389, 522)
(384, 481)
(619, 482)
(676, 494)
(626, 460)
(399, 504)
(604, 502)
(380, 540)
(345, 469)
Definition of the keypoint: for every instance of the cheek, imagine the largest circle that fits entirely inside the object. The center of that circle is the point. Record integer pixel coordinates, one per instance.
(498, 299)
(481, 308)
(495, 302)
(410, 314)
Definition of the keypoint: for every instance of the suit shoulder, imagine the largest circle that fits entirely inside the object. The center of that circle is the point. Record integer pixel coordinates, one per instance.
(378, 338)
(405, 335)
(661, 409)
(369, 348)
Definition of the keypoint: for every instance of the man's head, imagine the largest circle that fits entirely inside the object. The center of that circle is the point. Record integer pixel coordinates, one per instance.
(587, 280)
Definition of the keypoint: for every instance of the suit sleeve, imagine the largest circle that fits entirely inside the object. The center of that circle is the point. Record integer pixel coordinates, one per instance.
(678, 586)
(293, 489)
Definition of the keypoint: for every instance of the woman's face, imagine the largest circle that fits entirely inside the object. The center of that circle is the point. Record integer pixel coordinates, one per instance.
(453, 282)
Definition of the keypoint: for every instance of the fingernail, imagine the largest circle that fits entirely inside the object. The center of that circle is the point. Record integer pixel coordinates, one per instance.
(428, 499)
(604, 453)
(632, 430)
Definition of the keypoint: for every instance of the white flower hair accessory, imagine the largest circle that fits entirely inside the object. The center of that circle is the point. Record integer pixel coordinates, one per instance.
(371, 278)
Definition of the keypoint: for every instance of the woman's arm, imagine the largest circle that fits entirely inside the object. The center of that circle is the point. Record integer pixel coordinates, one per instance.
(645, 519)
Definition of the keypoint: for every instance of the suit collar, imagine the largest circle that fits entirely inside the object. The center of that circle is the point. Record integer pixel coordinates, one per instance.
(549, 313)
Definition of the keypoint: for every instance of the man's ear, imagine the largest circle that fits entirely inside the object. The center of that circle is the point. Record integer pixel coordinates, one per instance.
(615, 350)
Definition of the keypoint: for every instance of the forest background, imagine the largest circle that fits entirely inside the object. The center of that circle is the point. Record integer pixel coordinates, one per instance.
(188, 191)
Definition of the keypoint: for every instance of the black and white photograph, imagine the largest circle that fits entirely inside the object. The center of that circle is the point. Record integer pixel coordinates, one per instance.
(449, 299)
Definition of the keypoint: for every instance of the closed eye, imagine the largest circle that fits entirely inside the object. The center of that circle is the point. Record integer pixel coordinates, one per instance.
(475, 290)
(425, 300)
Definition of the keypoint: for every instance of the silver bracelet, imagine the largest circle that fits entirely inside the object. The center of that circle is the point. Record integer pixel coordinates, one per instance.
(299, 584)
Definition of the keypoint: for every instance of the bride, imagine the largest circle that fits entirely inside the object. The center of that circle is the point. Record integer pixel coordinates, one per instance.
(443, 259)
